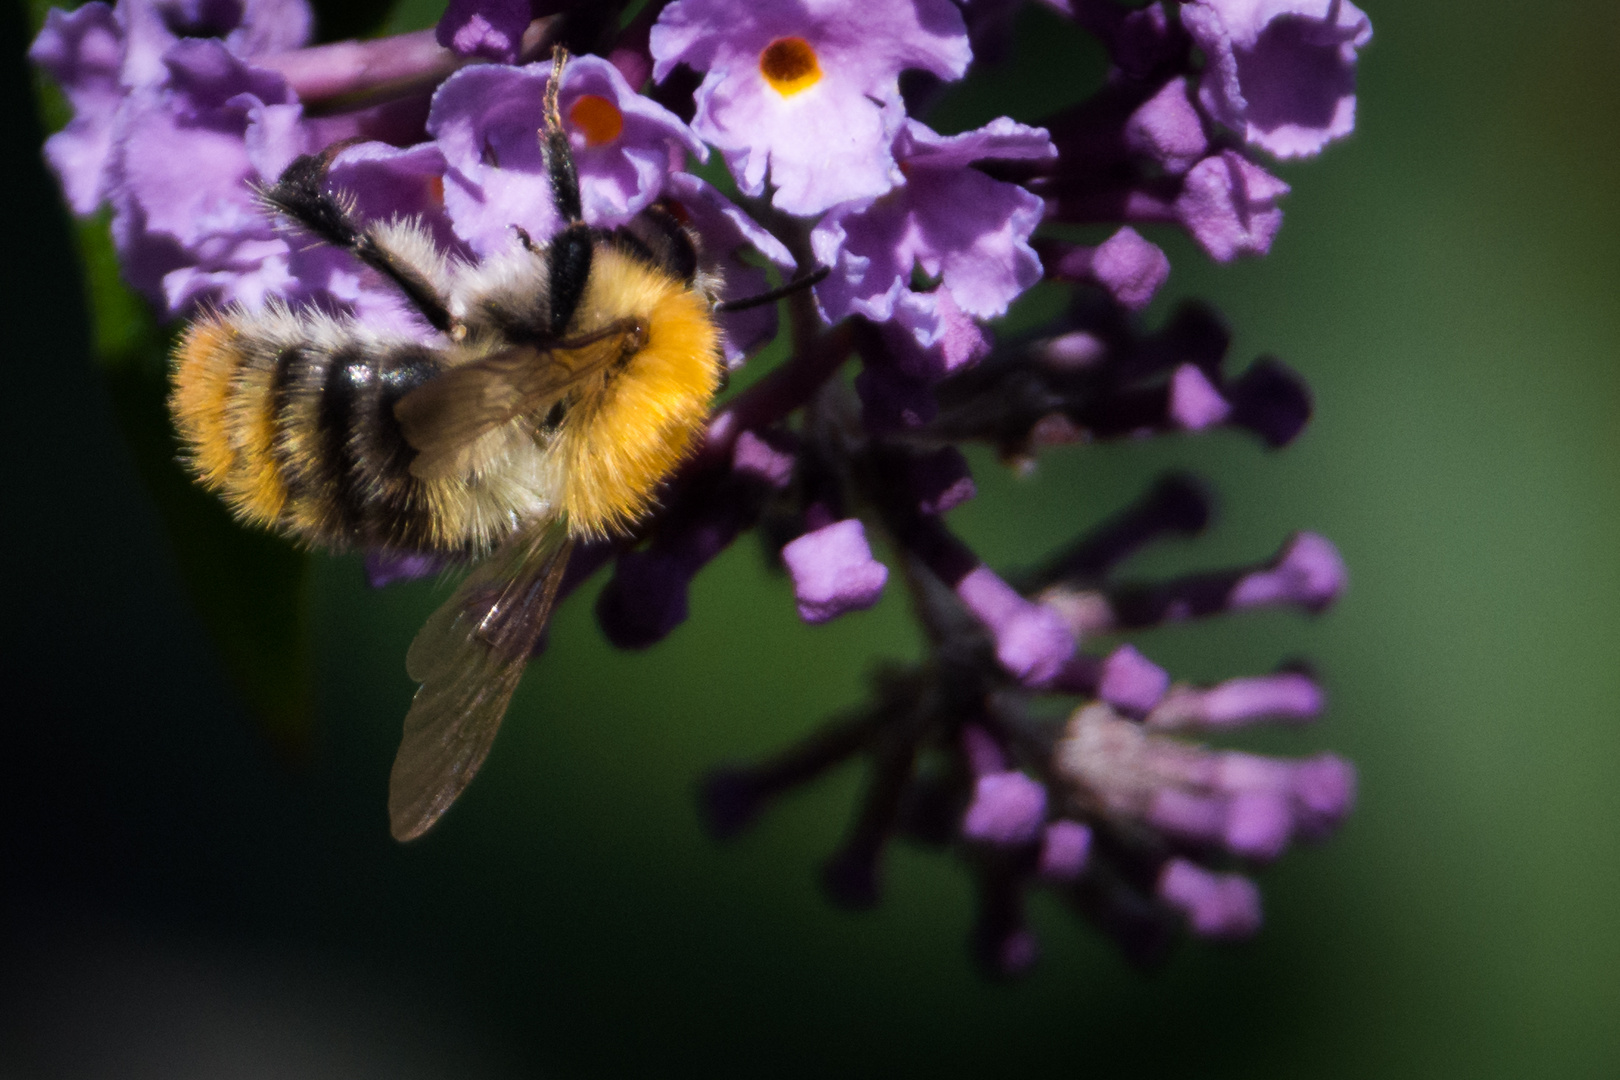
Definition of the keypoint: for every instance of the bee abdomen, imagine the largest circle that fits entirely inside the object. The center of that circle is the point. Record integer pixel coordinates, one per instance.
(292, 420)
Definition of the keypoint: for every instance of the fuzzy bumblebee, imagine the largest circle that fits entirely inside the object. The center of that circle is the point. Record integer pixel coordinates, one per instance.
(567, 382)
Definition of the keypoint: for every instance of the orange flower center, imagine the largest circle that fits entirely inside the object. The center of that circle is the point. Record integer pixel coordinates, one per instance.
(597, 118)
(789, 65)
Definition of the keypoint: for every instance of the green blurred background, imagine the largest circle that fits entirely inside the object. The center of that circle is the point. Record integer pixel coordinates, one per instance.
(183, 896)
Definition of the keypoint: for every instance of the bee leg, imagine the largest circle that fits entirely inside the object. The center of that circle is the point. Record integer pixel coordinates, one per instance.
(300, 194)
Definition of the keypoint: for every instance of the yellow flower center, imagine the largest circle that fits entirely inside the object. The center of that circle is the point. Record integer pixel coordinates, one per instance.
(789, 65)
(597, 118)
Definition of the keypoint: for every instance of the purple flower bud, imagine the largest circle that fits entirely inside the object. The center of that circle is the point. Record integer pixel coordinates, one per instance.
(1008, 808)
(1065, 849)
(1168, 129)
(488, 29)
(1131, 681)
(1239, 702)
(753, 456)
(1280, 72)
(1216, 905)
(1229, 204)
(1309, 572)
(833, 571)
(1195, 404)
(808, 95)
(1032, 641)
(1129, 267)
(1325, 787)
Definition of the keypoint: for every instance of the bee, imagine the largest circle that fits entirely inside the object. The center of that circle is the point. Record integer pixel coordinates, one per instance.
(566, 384)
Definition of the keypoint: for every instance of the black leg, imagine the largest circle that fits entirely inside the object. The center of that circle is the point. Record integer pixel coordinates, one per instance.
(300, 194)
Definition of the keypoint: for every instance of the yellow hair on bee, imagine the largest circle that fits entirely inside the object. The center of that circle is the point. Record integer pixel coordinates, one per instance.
(627, 433)
(223, 412)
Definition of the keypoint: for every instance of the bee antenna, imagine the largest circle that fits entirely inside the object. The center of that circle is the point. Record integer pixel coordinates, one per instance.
(554, 147)
(814, 277)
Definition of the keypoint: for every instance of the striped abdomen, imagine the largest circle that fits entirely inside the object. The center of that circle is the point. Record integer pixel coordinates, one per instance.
(291, 419)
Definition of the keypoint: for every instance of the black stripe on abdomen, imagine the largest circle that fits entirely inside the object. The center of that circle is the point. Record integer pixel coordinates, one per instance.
(346, 391)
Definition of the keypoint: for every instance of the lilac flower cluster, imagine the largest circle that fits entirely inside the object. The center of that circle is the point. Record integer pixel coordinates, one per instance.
(182, 106)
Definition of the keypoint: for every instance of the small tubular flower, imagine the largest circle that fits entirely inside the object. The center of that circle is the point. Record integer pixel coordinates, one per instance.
(807, 92)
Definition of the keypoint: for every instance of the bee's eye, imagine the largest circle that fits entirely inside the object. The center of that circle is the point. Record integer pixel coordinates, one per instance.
(597, 118)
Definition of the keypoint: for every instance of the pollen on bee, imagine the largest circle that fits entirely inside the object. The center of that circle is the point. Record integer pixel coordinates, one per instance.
(789, 64)
(597, 118)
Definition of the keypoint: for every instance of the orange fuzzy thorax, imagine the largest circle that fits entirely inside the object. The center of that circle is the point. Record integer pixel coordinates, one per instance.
(625, 435)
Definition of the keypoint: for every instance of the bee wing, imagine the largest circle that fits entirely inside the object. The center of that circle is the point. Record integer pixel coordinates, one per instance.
(469, 657)
(445, 415)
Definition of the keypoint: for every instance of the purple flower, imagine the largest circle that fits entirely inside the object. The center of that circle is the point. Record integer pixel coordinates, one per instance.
(1130, 268)
(1238, 702)
(487, 119)
(1032, 641)
(487, 29)
(1065, 849)
(185, 219)
(1229, 204)
(247, 28)
(833, 571)
(807, 92)
(1216, 905)
(727, 233)
(1008, 809)
(1167, 129)
(948, 219)
(1249, 804)
(83, 51)
(101, 56)
(1280, 72)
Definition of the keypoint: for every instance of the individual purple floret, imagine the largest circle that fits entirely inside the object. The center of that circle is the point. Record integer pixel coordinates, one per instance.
(486, 118)
(949, 220)
(807, 94)
(1280, 72)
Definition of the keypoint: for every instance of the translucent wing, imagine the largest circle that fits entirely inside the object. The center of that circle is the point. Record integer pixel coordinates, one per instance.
(469, 657)
(444, 416)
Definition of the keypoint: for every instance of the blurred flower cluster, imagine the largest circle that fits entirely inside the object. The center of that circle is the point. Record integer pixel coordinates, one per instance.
(817, 108)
